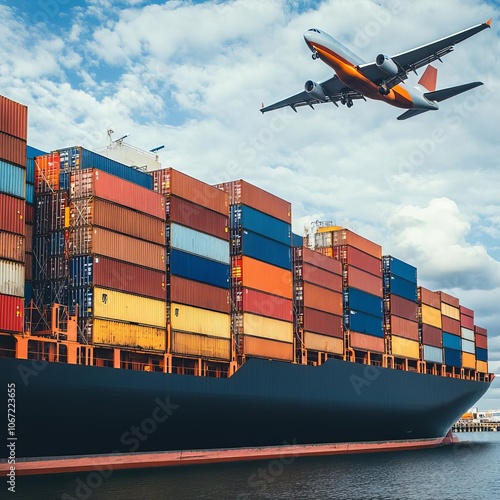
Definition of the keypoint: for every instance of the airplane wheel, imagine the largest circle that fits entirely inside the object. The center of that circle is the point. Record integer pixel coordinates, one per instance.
(349, 104)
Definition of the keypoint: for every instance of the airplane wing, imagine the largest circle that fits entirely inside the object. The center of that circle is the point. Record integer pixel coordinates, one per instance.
(421, 56)
(334, 90)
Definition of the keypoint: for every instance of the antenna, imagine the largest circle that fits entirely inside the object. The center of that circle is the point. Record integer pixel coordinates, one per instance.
(155, 150)
(116, 141)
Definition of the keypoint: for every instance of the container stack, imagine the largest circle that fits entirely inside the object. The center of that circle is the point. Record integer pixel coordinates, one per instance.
(468, 338)
(261, 272)
(117, 260)
(13, 133)
(481, 341)
(318, 304)
(452, 343)
(401, 308)
(197, 266)
(431, 333)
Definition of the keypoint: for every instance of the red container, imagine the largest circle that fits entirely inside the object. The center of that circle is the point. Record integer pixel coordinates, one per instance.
(366, 342)
(401, 307)
(197, 294)
(324, 323)
(467, 322)
(357, 258)
(244, 193)
(481, 341)
(322, 299)
(11, 314)
(432, 336)
(47, 172)
(197, 217)
(172, 182)
(30, 213)
(317, 259)
(94, 182)
(28, 231)
(28, 266)
(429, 297)
(12, 149)
(345, 237)
(318, 276)
(12, 212)
(449, 299)
(402, 327)
(13, 118)
(12, 247)
(450, 325)
(364, 281)
(480, 331)
(466, 311)
(267, 305)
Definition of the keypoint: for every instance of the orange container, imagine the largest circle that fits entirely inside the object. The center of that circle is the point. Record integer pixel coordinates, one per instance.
(347, 237)
(47, 170)
(405, 348)
(482, 366)
(429, 297)
(269, 349)
(365, 281)
(366, 342)
(468, 360)
(323, 343)
(200, 345)
(403, 327)
(322, 299)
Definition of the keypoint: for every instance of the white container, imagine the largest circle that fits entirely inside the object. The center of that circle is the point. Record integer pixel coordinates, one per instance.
(467, 334)
(11, 278)
(468, 346)
(433, 354)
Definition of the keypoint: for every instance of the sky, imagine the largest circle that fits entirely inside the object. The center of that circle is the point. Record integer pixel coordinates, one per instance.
(192, 76)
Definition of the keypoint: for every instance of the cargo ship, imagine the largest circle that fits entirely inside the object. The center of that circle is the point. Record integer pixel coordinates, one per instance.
(149, 313)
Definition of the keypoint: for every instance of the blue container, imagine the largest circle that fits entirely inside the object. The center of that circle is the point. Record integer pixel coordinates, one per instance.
(270, 251)
(30, 194)
(79, 158)
(297, 240)
(31, 152)
(81, 297)
(451, 341)
(81, 270)
(30, 170)
(399, 268)
(28, 292)
(64, 180)
(50, 292)
(12, 180)
(364, 302)
(243, 217)
(197, 268)
(360, 322)
(55, 243)
(452, 357)
(481, 354)
(400, 287)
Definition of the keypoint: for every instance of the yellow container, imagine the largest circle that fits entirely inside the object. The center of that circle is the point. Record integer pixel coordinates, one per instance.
(323, 343)
(109, 304)
(267, 328)
(329, 229)
(450, 311)
(130, 335)
(200, 345)
(431, 316)
(195, 320)
(468, 360)
(482, 366)
(405, 348)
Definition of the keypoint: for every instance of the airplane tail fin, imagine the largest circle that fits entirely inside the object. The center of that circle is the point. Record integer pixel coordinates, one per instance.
(429, 78)
(443, 94)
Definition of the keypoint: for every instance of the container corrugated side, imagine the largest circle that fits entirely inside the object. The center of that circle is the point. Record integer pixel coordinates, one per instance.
(307, 256)
(12, 180)
(261, 248)
(197, 294)
(50, 211)
(404, 328)
(198, 243)
(322, 299)
(12, 211)
(468, 360)
(357, 258)
(297, 240)
(321, 277)
(450, 325)
(30, 170)
(468, 346)
(11, 314)
(399, 268)
(480, 331)
(28, 267)
(401, 287)
(117, 333)
(482, 366)
(432, 336)
(11, 278)
(364, 323)
(47, 173)
(405, 348)
(362, 280)
(467, 321)
(428, 297)
(201, 346)
(467, 334)
(195, 320)
(110, 304)
(450, 311)
(466, 311)
(401, 307)
(323, 343)
(451, 341)
(13, 118)
(481, 341)
(323, 323)
(30, 194)
(481, 354)
(433, 354)
(431, 316)
(12, 149)
(268, 328)
(365, 302)
(366, 342)
(265, 304)
(268, 349)
(450, 300)
(30, 213)
(347, 237)
(12, 247)
(452, 357)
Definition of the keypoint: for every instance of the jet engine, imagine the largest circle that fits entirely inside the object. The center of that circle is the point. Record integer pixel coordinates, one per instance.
(387, 65)
(315, 90)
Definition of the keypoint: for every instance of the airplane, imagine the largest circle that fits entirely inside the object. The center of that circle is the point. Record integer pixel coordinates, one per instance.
(382, 80)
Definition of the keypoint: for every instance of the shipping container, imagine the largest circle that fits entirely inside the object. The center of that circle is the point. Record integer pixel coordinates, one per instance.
(356, 278)
(28, 293)
(116, 333)
(268, 328)
(30, 170)
(11, 314)
(264, 304)
(467, 322)
(341, 237)
(99, 184)
(452, 357)
(243, 217)
(480, 331)
(466, 333)
(468, 346)
(12, 180)
(30, 213)
(451, 341)
(197, 243)
(366, 342)
(401, 307)
(99, 241)
(13, 118)
(450, 300)
(258, 275)
(28, 240)
(12, 278)
(316, 259)
(432, 336)
(243, 193)
(323, 323)
(365, 302)
(450, 325)
(429, 298)
(268, 349)
(317, 276)
(28, 267)
(197, 268)
(200, 218)
(482, 366)
(468, 360)
(481, 354)
(466, 311)
(194, 293)
(297, 240)
(357, 258)
(261, 248)
(323, 343)
(364, 323)
(12, 149)
(12, 212)
(194, 320)
(321, 299)
(404, 328)
(30, 194)
(47, 172)
(399, 268)
(433, 354)
(97, 212)
(400, 287)
(481, 341)
(431, 316)
(450, 311)
(200, 346)
(12, 247)
(50, 209)
(405, 348)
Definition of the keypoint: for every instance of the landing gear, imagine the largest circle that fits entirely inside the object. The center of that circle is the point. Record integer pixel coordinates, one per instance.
(346, 99)
(315, 55)
(384, 90)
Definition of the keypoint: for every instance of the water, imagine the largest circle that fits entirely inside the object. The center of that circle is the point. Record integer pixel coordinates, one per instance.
(469, 470)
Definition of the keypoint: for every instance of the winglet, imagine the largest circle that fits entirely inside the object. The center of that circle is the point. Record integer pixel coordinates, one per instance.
(489, 22)
(429, 78)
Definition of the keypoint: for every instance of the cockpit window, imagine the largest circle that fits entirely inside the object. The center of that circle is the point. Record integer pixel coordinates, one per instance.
(315, 30)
